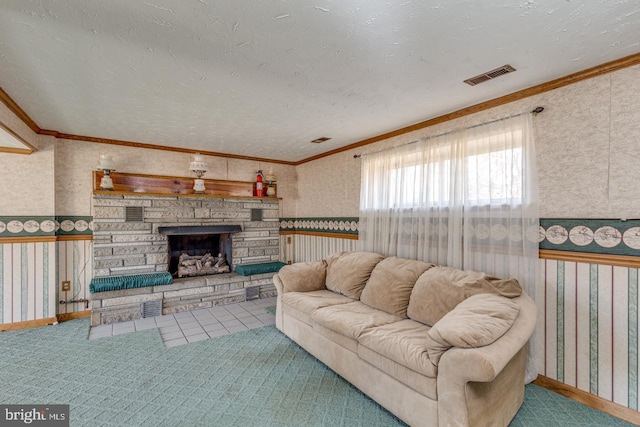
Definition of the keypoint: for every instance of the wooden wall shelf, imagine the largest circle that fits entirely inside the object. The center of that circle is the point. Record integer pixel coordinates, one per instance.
(159, 185)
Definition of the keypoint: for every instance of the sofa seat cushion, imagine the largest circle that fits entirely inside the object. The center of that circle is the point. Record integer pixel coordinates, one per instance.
(348, 272)
(389, 287)
(403, 342)
(337, 338)
(301, 304)
(424, 385)
(351, 319)
(440, 289)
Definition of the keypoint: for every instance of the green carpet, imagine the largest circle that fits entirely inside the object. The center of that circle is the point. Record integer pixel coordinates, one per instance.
(253, 378)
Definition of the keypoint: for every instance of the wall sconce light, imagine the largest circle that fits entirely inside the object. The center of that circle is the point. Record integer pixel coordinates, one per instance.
(199, 167)
(106, 165)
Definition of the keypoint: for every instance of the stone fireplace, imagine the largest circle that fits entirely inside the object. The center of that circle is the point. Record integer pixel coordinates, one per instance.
(137, 234)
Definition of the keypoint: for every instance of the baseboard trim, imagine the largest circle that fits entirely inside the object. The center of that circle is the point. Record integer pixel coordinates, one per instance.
(589, 399)
(77, 315)
(28, 324)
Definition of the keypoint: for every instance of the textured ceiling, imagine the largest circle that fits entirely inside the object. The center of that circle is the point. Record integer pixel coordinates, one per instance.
(263, 78)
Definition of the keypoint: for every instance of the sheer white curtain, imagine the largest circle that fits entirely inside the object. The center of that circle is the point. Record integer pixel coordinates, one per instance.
(466, 199)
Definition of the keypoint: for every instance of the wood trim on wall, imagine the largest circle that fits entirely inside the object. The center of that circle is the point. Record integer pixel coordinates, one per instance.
(588, 399)
(68, 237)
(28, 239)
(15, 108)
(598, 70)
(72, 137)
(584, 257)
(28, 324)
(63, 317)
(15, 150)
(322, 234)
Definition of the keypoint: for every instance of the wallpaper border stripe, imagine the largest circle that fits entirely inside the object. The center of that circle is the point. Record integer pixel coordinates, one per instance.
(45, 226)
(324, 225)
(580, 235)
(598, 236)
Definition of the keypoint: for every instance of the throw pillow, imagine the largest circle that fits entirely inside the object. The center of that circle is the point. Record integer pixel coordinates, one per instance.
(303, 276)
(477, 321)
(440, 289)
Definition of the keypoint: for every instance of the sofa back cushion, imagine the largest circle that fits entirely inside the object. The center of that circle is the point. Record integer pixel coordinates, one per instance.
(477, 321)
(389, 287)
(440, 289)
(348, 272)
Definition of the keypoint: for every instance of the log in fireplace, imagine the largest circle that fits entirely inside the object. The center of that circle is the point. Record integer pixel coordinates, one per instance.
(200, 250)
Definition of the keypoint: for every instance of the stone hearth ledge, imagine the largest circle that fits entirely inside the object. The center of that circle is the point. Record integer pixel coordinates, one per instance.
(184, 294)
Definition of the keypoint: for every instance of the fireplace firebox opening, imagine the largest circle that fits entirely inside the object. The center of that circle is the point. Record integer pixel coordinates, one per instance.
(199, 250)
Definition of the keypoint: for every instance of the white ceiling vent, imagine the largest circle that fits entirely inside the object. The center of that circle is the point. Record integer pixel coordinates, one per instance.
(505, 69)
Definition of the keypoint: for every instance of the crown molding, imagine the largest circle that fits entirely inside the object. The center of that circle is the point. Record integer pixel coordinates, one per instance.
(15, 109)
(72, 137)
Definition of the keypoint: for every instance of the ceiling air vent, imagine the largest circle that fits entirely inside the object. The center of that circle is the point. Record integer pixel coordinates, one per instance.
(133, 214)
(319, 140)
(505, 69)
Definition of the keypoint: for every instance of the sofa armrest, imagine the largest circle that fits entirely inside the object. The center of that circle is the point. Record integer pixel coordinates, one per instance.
(459, 367)
(301, 277)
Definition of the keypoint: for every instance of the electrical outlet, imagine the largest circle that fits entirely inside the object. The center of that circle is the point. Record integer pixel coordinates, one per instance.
(66, 285)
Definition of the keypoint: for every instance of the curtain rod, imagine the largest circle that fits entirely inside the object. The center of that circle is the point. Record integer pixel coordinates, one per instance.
(534, 112)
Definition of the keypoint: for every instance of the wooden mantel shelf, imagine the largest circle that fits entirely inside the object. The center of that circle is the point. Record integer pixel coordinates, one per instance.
(172, 186)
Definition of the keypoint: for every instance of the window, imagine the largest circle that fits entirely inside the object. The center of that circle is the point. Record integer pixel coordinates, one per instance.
(489, 173)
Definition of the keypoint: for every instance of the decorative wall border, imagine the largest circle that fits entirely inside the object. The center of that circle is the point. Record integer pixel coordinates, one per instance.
(12, 227)
(596, 236)
(577, 235)
(338, 226)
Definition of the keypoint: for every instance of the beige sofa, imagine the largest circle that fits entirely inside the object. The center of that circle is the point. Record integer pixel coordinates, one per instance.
(432, 344)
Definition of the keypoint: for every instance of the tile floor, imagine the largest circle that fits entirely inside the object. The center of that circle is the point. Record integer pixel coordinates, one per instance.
(191, 326)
